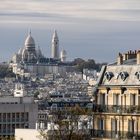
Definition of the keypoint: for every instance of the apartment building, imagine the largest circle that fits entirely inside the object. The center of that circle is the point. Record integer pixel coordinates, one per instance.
(117, 94)
(13, 116)
(18, 111)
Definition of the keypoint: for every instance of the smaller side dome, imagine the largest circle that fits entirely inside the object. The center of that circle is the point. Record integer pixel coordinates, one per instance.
(20, 51)
(63, 52)
(63, 55)
(24, 54)
(39, 53)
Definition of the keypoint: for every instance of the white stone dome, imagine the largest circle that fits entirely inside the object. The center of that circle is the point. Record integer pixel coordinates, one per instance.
(63, 53)
(20, 51)
(39, 53)
(29, 41)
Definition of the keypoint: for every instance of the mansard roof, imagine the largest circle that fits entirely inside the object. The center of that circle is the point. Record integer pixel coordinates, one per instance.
(121, 75)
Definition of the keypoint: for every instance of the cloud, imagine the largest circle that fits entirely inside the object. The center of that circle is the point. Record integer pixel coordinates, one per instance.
(70, 10)
(84, 25)
(31, 14)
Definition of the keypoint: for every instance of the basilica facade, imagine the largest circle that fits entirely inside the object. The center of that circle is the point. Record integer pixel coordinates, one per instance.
(30, 60)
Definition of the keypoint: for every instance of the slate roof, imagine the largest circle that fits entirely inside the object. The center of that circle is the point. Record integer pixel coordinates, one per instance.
(125, 75)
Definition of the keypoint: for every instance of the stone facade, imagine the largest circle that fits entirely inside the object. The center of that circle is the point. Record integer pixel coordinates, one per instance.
(17, 113)
(117, 95)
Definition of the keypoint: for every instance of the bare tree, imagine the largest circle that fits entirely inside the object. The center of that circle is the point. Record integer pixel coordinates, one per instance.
(69, 124)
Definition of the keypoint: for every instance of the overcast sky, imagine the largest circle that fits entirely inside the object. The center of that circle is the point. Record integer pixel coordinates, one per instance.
(97, 29)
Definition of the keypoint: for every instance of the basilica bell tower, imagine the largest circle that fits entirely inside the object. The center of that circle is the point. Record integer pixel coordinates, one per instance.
(55, 46)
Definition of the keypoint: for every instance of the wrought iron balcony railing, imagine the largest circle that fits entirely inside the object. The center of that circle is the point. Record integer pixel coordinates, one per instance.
(116, 134)
(117, 109)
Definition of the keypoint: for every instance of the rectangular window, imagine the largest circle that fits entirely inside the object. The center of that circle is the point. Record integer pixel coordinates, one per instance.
(26, 116)
(102, 99)
(101, 124)
(116, 99)
(114, 125)
(131, 126)
(133, 99)
(4, 117)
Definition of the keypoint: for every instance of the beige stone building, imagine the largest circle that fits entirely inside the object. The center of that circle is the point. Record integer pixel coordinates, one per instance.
(117, 94)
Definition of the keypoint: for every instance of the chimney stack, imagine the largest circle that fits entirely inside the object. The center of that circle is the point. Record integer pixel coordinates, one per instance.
(138, 57)
(120, 59)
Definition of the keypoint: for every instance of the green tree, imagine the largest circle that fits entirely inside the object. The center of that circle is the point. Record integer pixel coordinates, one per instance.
(5, 71)
(81, 64)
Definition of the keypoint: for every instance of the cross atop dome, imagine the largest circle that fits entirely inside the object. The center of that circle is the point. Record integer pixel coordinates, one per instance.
(30, 32)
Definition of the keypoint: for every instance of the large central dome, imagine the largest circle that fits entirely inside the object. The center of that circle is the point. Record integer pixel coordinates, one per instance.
(29, 41)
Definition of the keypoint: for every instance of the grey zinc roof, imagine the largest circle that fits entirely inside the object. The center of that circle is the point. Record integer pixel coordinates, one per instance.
(126, 62)
(131, 78)
(130, 61)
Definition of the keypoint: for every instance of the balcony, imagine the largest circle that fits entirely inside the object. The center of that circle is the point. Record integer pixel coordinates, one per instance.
(115, 135)
(117, 109)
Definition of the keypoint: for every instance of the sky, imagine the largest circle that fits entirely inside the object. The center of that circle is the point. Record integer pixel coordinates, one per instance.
(88, 29)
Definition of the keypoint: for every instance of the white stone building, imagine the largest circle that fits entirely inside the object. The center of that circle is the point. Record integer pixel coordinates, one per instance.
(30, 61)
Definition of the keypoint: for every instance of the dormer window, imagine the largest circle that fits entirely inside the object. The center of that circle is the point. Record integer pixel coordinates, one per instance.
(109, 75)
(137, 74)
(123, 75)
